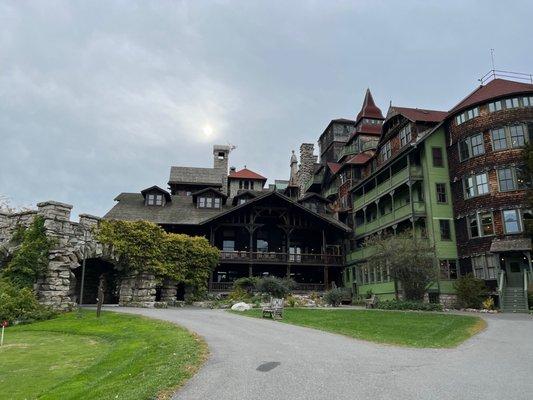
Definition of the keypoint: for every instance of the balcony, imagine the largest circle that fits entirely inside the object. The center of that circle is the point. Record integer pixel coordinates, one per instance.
(354, 149)
(399, 214)
(385, 187)
(270, 257)
(300, 287)
(315, 180)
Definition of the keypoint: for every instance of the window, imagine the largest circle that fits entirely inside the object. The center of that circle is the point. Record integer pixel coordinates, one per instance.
(445, 229)
(441, 193)
(509, 137)
(486, 223)
(405, 135)
(505, 179)
(221, 155)
(438, 161)
(154, 200)
(385, 152)
(209, 202)
(467, 115)
(485, 266)
(228, 245)
(472, 146)
(242, 201)
(499, 139)
(511, 103)
(511, 221)
(475, 185)
(448, 269)
(480, 224)
(517, 135)
(495, 106)
(513, 178)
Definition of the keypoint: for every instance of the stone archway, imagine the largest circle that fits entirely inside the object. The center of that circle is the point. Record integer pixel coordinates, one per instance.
(95, 268)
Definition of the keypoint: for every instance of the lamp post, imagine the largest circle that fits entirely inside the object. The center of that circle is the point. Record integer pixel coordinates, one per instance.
(84, 251)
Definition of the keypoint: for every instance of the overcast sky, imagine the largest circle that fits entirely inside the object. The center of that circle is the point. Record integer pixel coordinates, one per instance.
(98, 98)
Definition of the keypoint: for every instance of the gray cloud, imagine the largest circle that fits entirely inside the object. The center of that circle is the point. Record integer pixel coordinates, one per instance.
(102, 97)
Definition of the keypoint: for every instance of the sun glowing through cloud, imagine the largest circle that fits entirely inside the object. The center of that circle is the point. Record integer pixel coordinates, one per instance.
(208, 131)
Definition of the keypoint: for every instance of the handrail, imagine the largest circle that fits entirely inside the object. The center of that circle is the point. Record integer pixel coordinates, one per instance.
(526, 283)
(501, 287)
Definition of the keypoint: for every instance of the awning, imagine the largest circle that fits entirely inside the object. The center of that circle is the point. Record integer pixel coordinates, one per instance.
(503, 245)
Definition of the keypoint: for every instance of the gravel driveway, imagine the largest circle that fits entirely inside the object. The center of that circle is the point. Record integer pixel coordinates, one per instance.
(261, 359)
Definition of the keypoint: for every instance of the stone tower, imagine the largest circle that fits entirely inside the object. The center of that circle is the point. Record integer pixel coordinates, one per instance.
(220, 162)
(307, 164)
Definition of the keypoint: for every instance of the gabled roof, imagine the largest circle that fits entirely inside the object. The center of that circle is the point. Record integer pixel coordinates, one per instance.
(417, 114)
(369, 108)
(244, 194)
(359, 159)
(333, 167)
(194, 175)
(328, 219)
(209, 190)
(311, 195)
(156, 188)
(494, 89)
(245, 173)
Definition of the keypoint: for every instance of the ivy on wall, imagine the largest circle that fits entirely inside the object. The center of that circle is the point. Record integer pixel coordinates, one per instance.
(145, 247)
(30, 259)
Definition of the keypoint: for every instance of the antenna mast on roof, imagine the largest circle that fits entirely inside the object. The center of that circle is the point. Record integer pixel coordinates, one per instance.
(492, 58)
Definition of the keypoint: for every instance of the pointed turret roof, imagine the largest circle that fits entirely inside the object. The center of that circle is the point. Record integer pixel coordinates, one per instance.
(369, 108)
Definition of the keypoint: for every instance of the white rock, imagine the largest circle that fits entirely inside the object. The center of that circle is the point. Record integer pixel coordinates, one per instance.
(241, 306)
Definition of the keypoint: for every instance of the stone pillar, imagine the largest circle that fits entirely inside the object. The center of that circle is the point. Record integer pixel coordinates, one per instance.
(89, 220)
(54, 210)
(169, 291)
(54, 288)
(138, 290)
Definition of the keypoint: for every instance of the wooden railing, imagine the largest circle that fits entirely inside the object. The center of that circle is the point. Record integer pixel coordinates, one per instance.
(300, 287)
(284, 258)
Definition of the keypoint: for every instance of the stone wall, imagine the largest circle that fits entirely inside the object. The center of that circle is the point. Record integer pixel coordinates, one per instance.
(56, 287)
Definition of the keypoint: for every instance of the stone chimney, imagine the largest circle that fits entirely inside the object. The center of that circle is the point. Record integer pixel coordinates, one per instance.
(220, 162)
(307, 161)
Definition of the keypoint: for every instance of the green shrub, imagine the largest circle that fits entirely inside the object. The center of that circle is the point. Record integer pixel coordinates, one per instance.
(247, 284)
(239, 294)
(334, 297)
(274, 286)
(20, 305)
(408, 305)
(471, 292)
(30, 260)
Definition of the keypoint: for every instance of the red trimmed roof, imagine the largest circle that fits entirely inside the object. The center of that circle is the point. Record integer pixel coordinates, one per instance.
(359, 159)
(419, 114)
(245, 173)
(369, 108)
(495, 88)
(334, 167)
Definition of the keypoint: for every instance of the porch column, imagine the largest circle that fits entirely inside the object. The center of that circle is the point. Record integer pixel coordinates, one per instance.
(326, 277)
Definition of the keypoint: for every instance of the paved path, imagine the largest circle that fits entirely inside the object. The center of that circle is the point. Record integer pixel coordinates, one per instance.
(261, 359)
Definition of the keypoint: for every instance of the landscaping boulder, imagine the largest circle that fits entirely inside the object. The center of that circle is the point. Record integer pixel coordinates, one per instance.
(241, 306)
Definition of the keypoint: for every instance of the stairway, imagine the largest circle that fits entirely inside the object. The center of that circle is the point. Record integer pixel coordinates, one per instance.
(514, 300)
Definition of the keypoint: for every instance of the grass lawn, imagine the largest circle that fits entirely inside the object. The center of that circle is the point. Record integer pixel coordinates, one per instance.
(404, 328)
(118, 356)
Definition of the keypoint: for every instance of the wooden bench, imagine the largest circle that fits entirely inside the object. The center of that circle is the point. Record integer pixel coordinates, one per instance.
(274, 309)
(371, 302)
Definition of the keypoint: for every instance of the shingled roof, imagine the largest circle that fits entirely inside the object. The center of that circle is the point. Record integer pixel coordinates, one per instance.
(417, 114)
(494, 89)
(210, 176)
(245, 173)
(180, 211)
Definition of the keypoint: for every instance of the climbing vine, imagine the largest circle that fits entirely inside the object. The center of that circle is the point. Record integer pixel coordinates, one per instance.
(145, 247)
(30, 259)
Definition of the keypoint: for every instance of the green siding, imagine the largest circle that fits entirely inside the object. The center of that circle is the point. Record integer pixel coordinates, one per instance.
(434, 211)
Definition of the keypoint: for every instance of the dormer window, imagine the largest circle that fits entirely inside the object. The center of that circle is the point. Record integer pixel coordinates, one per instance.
(242, 201)
(209, 202)
(155, 196)
(154, 200)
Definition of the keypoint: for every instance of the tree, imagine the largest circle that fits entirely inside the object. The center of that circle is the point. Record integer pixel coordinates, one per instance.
(142, 246)
(408, 259)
